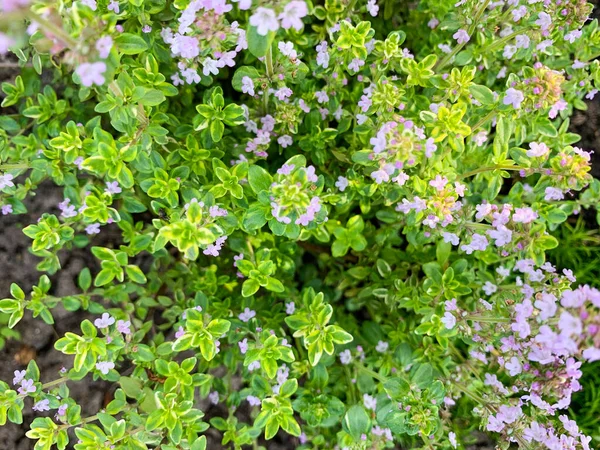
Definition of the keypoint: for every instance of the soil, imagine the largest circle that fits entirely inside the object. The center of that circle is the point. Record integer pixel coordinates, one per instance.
(18, 265)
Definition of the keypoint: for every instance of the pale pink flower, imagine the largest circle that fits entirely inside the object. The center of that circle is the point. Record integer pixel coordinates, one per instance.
(537, 150)
(5, 43)
(91, 73)
(105, 366)
(544, 20)
(513, 97)
(12, 5)
(247, 85)
(90, 3)
(104, 45)
(292, 14)
(264, 20)
(461, 36)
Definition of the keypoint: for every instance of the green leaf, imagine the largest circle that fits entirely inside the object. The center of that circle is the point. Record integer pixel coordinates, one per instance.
(258, 45)
(556, 216)
(131, 386)
(269, 365)
(339, 248)
(482, 94)
(357, 422)
(135, 274)
(14, 318)
(442, 251)
(208, 349)
(130, 44)
(291, 426)
(546, 242)
(240, 73)
(271, 428)
(8, 305)
(104, 277)
(250, 287)
(234, 115)
(423, 376)
(397, 388)
(288, 388)
(216, 130)
(84, 280)
(199, 444)
(260, 180)
(17, 292)
(152, 97)
(218, 327)
(339, 335)
(274, 285)
(315, 351)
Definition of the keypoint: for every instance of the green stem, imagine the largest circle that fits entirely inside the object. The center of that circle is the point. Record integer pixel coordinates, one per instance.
(483, 120)
(500, 43)
(93, 418)
(269, 62)
(471, 30)
(58, 32)
(48, 384)
(377, 376)
(130, 433)
(469, 393)
(14, 166)
(489, 169)
(449, 57)
(591, 58)
(54, 382)
(489, 319)
(478, 225)
(350, 385)
(270, 72)
(83, 422)
(9, 65)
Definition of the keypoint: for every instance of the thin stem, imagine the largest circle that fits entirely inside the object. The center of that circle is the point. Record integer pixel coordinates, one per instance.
(270, 72)
(501, 42)
(489, 169)
(130, 433)
(351, 385)
(449, 57)
(58, 32)
(465, 390)
(489, 319)
(10, 65)
(591, 58)
(49, 384)
(266, 101)
(269, 62)
(54, 382)
(471, 30)
(483, 120)
(94, 418)
(477, 225)
(374, 374)
(14, 166)
(23, 130)
(83, 422)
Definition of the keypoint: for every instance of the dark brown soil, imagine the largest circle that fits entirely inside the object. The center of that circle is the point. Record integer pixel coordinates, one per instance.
(37, 338)
(587, 125)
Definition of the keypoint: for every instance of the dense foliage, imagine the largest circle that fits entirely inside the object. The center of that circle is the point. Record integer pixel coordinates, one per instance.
(333, 218)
